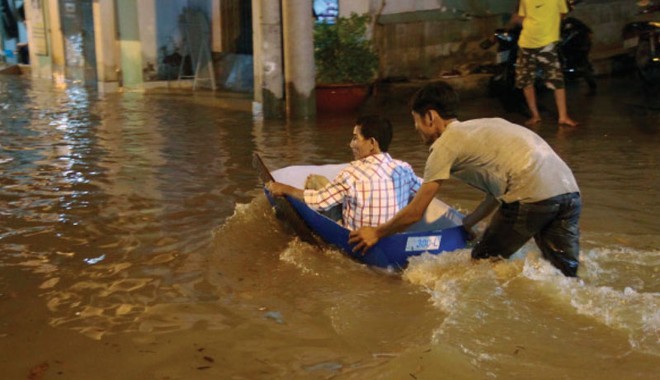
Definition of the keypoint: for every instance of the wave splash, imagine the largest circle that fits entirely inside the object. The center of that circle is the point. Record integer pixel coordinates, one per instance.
(617, 289)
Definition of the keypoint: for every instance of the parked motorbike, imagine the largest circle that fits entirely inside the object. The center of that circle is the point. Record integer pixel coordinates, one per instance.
(573, 48)
(502, 83)
(641, 39)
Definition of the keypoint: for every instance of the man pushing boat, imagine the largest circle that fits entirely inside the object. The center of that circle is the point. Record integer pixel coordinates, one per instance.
(532, 189)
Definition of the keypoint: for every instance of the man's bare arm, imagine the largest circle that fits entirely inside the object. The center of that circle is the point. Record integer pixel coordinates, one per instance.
(485, 208)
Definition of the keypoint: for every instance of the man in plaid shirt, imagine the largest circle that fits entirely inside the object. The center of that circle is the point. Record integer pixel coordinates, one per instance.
(373, 188)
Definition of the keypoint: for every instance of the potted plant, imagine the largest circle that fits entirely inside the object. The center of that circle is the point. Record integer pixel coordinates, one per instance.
(345, 63)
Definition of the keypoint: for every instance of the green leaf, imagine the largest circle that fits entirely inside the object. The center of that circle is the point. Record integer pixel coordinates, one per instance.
(342, 51)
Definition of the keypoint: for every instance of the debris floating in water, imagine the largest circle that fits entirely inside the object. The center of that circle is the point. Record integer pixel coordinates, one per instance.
(275, 315)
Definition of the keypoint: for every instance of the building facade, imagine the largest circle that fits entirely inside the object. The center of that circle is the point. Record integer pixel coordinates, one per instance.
(257, 47)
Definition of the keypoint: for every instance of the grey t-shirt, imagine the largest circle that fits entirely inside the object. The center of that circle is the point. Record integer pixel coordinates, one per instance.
(503, 159)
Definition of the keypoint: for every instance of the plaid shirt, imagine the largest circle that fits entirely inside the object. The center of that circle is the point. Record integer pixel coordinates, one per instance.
(372, 190)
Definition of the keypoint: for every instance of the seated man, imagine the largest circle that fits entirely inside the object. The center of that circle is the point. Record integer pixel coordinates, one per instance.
(372, 189)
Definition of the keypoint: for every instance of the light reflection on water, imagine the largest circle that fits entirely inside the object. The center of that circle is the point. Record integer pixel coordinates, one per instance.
(138, 215)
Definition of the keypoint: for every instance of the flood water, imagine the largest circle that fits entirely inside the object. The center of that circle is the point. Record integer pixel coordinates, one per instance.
(135, 243)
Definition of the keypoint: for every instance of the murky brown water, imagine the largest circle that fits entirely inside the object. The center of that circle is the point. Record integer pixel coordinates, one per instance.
(135, 244)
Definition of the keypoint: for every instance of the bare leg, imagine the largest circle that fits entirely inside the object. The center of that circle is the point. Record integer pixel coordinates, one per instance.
(530, 97)
(560, 99)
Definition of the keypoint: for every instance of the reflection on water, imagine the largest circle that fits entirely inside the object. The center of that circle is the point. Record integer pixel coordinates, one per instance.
(137, 218)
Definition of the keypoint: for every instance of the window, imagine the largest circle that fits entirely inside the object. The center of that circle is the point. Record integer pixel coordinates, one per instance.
(326, 10)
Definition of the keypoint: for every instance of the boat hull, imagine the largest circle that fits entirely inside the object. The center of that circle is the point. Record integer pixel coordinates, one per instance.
(390, 252)
(439, 230)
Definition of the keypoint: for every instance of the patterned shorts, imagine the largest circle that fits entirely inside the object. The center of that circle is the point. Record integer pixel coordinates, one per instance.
(544, 59)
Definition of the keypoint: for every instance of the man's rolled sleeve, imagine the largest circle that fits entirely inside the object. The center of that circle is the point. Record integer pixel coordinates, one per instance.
(327, 197)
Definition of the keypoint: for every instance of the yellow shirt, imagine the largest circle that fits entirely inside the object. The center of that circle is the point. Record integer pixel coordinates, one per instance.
(541, 22)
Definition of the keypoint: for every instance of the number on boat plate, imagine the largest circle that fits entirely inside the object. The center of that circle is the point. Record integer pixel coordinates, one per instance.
(422, 243)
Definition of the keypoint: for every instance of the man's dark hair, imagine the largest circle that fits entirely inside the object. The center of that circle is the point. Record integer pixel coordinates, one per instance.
(377, 127)
(438, 96)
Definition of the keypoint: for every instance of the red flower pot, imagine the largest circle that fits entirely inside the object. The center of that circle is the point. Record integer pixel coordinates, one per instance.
(340, 97)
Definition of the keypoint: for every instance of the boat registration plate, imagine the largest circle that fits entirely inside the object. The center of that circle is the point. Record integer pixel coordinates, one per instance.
(422, 243)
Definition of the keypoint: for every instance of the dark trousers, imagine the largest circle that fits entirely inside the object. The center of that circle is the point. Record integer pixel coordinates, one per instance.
(552, 222)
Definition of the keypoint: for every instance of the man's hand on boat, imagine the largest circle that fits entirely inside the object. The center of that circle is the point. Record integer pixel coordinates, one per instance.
(366, 237)
(487, 206)
(280, 189)
(363, 238)
(471, 234)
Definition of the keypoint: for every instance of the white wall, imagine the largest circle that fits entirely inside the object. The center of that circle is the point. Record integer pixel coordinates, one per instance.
(147, 20)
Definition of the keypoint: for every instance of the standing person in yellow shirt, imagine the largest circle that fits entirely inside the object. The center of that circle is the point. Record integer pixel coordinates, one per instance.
(538, 40)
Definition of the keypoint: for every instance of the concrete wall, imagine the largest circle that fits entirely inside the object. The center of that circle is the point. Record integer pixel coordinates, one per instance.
(429, 37)
(606, 19)
(107, 46)
(427, 48)
(56, 40)
(146, 10)
(450, 8)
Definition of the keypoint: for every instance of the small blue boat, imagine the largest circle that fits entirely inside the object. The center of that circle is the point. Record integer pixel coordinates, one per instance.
(439, 230)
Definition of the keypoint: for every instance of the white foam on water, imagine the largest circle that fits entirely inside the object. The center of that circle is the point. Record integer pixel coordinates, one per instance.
(300, 255)
(256, 212)
(460, 287)
(602, 292)
(449, 275)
